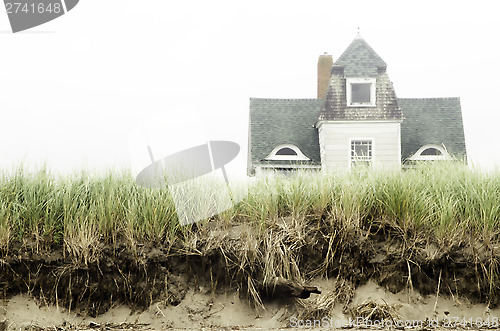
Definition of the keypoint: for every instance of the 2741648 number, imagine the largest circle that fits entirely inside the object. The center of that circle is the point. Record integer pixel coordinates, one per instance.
(454, 322)
(33, 8)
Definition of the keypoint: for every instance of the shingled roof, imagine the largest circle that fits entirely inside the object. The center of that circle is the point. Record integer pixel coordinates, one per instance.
(283, 121)
(360, 60)
(290, 121)
(335, 106)
(432, 121)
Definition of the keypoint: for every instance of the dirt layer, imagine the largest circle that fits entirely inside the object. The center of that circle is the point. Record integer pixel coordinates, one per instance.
(142, 275)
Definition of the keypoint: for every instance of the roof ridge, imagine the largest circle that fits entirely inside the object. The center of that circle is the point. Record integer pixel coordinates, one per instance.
(431, 98)
(289, 99)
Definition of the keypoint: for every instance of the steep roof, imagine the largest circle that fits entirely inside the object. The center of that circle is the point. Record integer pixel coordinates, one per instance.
(360, 60)
(432, 121)
(283, 121)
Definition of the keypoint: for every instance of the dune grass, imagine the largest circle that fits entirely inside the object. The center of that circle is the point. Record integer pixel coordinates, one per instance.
(445, 200)
(295, 227)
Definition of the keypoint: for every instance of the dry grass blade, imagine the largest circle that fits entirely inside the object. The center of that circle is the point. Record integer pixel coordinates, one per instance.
(254, 293)
(372, 311)
(318, 306)
(323, 305)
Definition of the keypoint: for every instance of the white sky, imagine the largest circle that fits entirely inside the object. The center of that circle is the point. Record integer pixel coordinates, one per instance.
(72, 90)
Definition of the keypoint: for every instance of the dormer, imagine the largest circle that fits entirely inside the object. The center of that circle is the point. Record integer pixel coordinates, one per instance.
(359, 87)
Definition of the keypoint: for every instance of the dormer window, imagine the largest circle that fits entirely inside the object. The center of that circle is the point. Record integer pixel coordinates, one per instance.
(360, 92)
(430, 153)
(287, 152)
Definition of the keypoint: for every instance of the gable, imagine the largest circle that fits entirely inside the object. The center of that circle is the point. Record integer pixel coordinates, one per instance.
(432, 121)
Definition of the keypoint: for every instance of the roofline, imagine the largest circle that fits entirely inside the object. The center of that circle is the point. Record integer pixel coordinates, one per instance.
(288, 99)
(320, 122)
(295, 166)
(316, 99)
(434, 98)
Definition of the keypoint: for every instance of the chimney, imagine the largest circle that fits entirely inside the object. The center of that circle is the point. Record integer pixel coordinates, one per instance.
(381, 70)
(325, 63)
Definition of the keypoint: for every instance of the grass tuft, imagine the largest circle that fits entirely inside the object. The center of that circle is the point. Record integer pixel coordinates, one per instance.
(292, 227)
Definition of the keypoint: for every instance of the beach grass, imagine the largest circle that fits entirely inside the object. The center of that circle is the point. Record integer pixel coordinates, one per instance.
(443, 200)
(283, 221)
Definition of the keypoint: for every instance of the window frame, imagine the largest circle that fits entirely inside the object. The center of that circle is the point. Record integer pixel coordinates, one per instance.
(351, 159)
(419, 157)
(299, 157)
(373, 87)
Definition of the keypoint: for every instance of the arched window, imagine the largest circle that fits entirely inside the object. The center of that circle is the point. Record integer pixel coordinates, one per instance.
(430, 153)
(287, 152)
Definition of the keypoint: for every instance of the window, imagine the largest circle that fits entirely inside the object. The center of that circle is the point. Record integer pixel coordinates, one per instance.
(361, 152)
(286, 172)
(287, 152)
(361, 92)
(430, 152)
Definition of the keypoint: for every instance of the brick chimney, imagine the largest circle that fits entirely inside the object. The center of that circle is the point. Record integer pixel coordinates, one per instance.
(325, 63)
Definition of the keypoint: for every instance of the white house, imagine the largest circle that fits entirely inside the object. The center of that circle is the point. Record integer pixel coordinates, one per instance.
(356, 119)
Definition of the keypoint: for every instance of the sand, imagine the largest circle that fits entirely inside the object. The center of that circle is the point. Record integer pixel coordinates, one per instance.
(202, 309)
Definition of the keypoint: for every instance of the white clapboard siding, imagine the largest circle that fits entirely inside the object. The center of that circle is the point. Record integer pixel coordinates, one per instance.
(335, 143)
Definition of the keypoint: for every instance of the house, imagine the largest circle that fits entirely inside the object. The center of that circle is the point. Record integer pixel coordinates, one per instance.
(356, 119)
